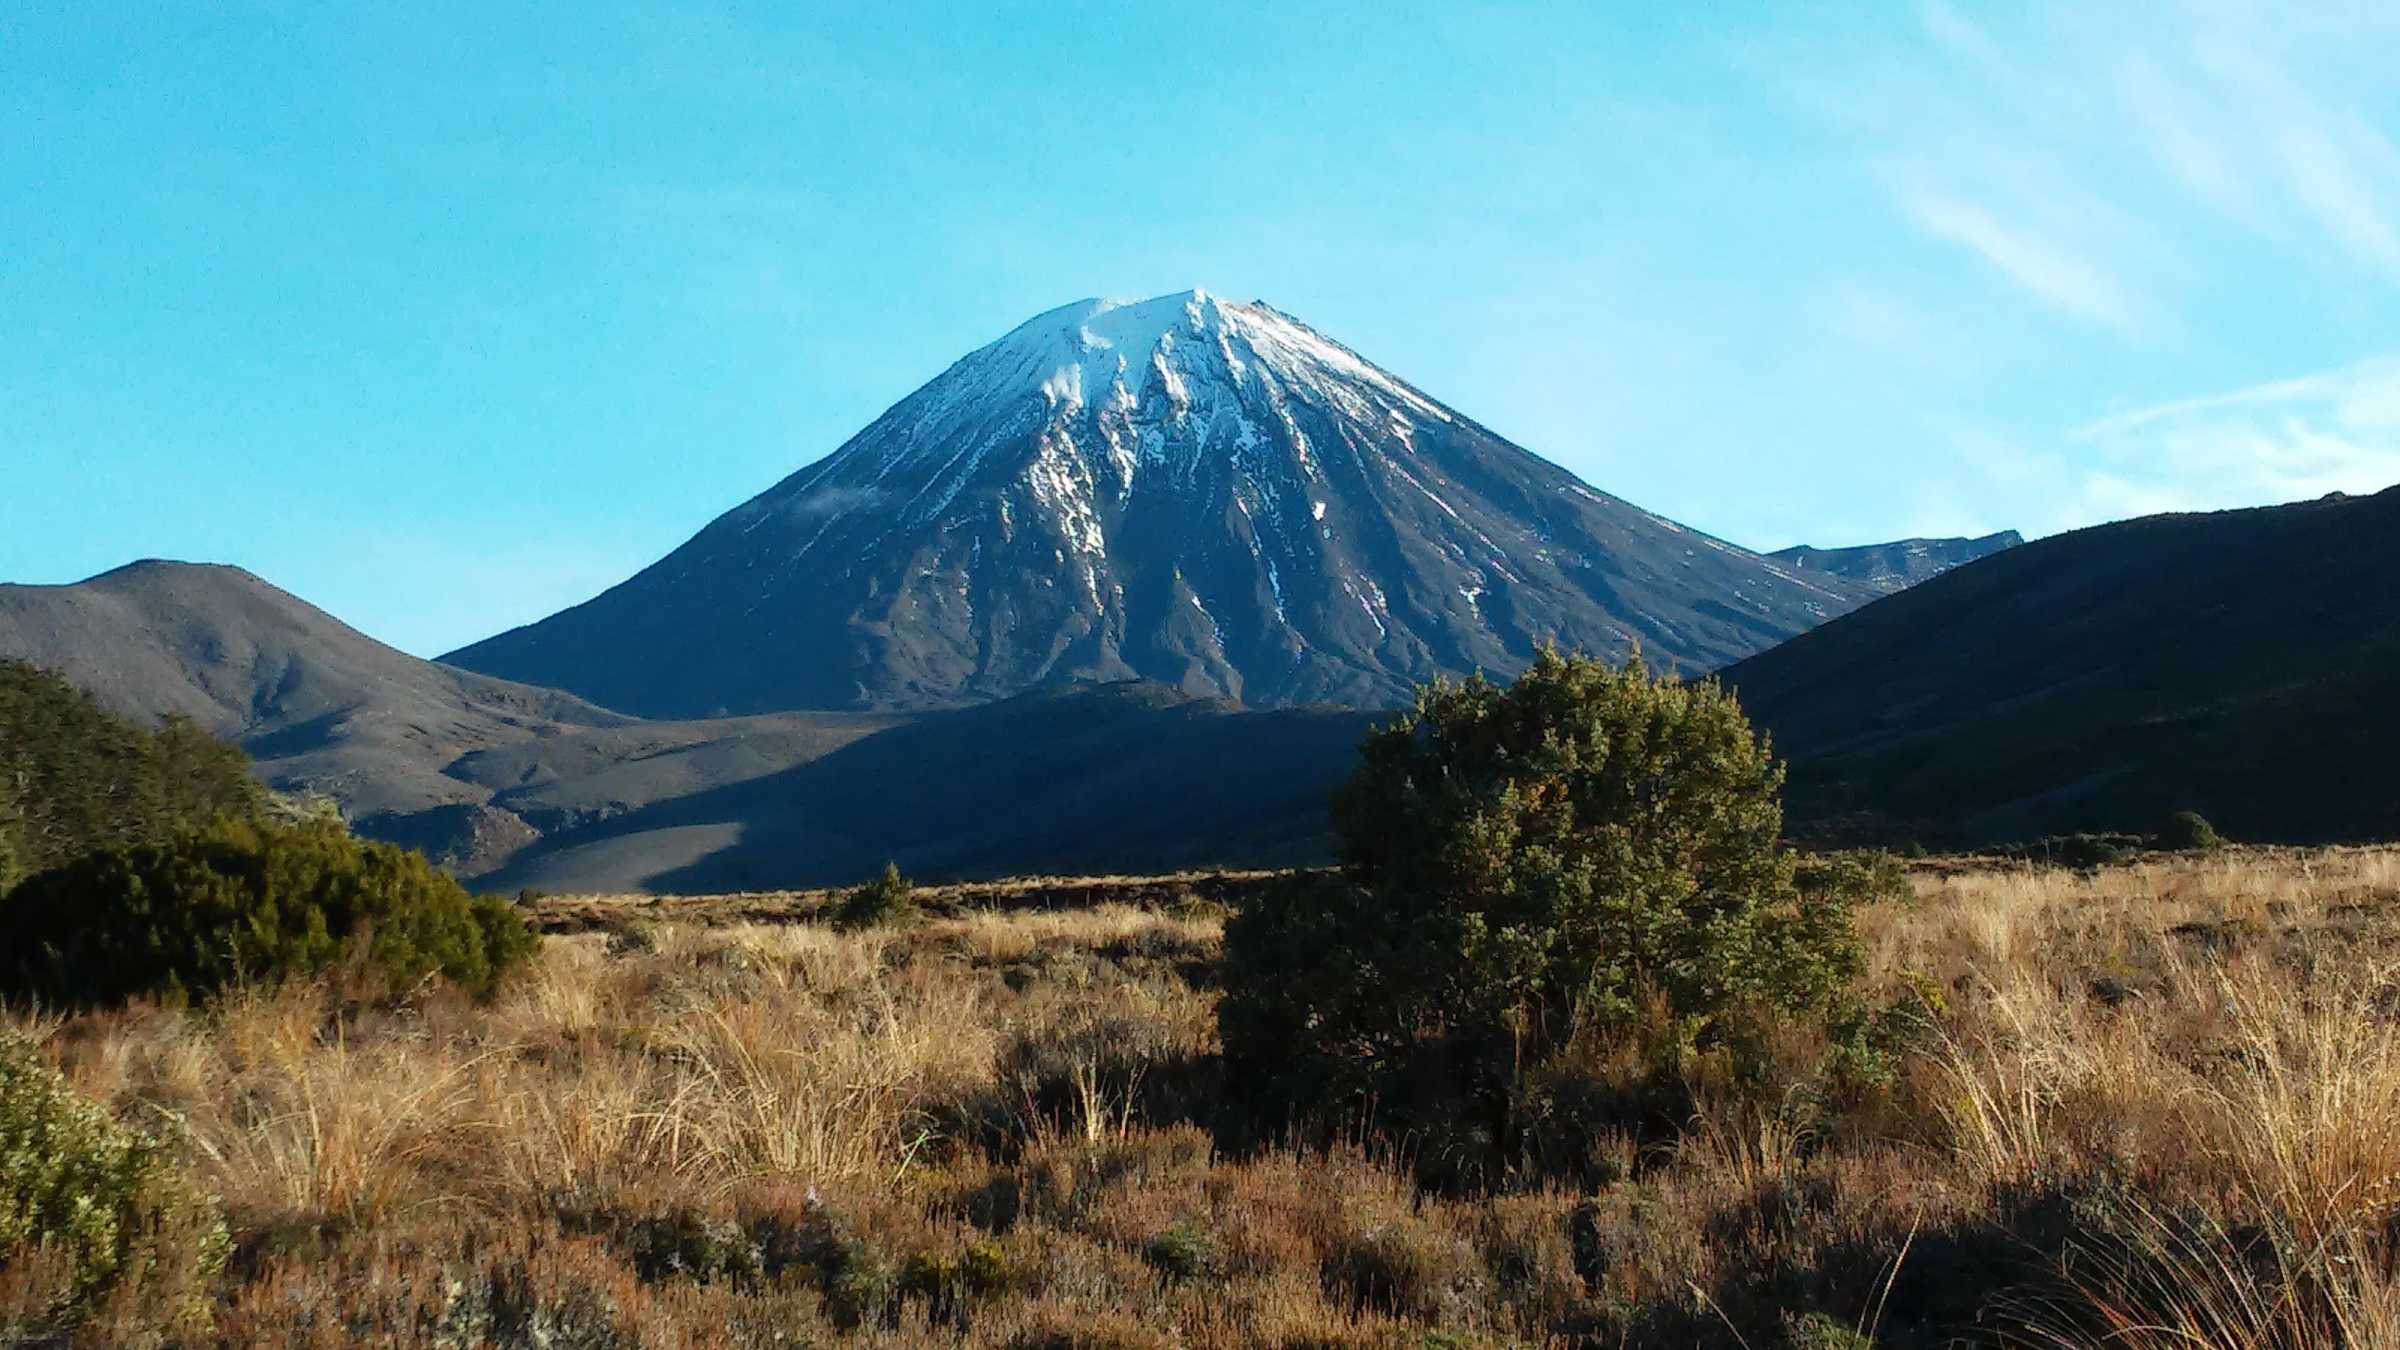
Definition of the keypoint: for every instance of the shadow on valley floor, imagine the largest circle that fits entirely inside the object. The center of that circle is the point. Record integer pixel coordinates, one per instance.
(1124, 777)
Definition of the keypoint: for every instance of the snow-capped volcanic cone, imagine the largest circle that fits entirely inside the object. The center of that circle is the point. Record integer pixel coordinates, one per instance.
(1200, 492)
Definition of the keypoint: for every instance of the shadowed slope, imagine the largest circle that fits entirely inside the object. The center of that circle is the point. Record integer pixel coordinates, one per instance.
(2242, 663)
(1094, 779)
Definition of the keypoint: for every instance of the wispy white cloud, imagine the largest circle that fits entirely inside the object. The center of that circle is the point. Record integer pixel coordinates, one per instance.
(2195, 158)
(2041, 266)
(2338, 170)
(2285, 440)
(2330, 183)
(1958, 35)
(2094, 157)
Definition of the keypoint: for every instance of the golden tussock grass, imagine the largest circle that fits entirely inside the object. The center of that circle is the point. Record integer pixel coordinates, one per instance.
(2152, 1105)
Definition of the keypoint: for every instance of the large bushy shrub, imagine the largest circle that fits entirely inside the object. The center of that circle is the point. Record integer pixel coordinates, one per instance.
(1529, 875)
(93, 1211)
(75, 777)
(240, 900)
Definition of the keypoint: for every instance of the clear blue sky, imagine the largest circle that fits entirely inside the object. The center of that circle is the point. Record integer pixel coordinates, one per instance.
(444, 316)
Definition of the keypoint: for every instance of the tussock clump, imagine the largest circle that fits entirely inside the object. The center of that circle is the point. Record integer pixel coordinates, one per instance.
(995, 1129)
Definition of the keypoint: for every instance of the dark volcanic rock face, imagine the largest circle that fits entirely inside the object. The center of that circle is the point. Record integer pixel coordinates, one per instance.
(1188, 490)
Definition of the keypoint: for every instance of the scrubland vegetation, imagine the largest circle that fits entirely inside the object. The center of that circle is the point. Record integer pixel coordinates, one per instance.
(74, 777)
(2164, 1095)
(1568, 1050)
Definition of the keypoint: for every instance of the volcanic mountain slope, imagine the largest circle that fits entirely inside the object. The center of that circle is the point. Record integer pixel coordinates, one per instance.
(319, 704)
(1898, 565)
(2244, 663)
(1204, 493)
(323, 708)
(508, 784)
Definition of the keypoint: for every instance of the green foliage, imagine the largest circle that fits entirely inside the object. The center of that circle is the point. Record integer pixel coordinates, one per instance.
(75, 778)
(2189, 831)
(1854, 877)
(1182, 1252)
(2079, 850)
(12, 824)
(100, 1208)
(886, 900)
(1532, 874)
(240, 900)
(1817, 1331)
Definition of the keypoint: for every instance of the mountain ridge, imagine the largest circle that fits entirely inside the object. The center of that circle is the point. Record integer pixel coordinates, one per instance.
(2245, 664)
(1900, 563)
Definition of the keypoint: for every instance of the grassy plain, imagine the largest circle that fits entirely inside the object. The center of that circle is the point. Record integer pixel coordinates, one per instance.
(2152, 1105)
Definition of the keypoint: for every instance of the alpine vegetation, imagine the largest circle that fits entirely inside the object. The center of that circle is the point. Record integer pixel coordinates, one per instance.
(239, 901)
(1532, 878)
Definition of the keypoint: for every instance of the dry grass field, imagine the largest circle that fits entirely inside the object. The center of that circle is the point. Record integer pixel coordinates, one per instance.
(2156, 1105)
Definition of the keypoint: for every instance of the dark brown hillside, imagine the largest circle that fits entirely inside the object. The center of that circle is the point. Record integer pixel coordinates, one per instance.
(2242, 663)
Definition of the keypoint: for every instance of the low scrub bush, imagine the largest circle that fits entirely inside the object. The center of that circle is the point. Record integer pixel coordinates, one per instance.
(94, 1213)
(885, 901)
(2189, 832)
(2078, 850)
(241, 901)
(1854, 877)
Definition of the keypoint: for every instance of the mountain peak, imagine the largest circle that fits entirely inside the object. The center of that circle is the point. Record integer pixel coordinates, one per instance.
(1098, 352)
(1204, 492)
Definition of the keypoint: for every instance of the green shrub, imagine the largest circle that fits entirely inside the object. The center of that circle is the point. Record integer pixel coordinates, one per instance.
(2088, 850)
(79, 778)
(12, 823)
(1817, 1331)
(1855, 877)
(1182, 1252)
(95, 1211)
(2190, 832)
(886, 900)
(1528, 875)
(242, 901)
